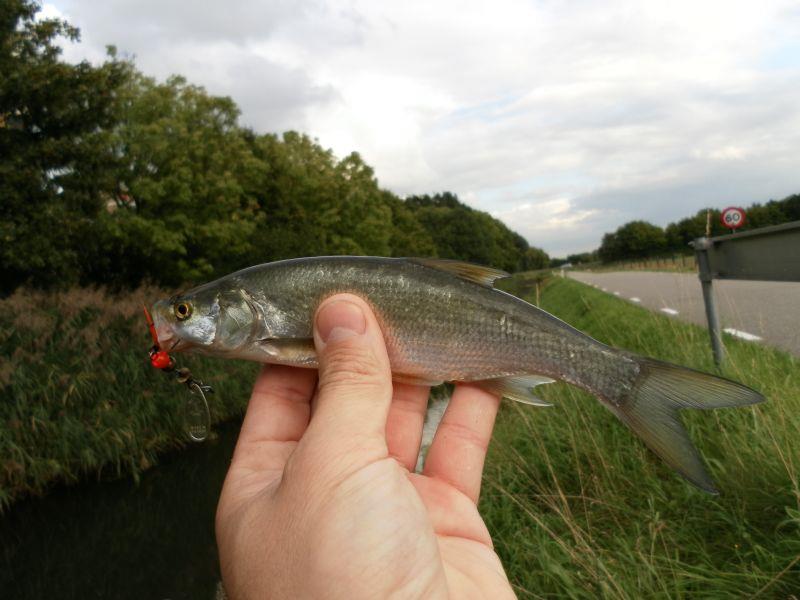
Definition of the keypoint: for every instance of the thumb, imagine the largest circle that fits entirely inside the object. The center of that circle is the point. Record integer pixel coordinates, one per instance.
(355, 381)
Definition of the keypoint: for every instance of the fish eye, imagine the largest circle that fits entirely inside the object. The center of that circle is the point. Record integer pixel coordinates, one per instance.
(183, 311)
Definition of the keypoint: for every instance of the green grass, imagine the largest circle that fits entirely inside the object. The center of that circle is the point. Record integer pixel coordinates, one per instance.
(78, 397)
(579, 508)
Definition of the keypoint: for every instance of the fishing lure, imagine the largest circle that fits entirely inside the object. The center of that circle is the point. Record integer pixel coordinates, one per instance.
(197, 415)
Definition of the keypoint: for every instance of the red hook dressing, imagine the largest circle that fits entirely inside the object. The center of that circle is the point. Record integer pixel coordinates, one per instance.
(158, 358)
(196, 412)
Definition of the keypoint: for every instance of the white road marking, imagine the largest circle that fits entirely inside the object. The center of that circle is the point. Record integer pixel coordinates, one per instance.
(605, 289)
(635, 299)
(669, 311)
(616, 293)
(750, 337)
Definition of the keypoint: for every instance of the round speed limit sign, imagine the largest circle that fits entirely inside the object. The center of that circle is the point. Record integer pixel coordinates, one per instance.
(732, 217)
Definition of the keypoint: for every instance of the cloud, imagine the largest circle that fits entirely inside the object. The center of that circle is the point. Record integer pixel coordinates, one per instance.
(230, 48)
(565, 119)
(556, 224)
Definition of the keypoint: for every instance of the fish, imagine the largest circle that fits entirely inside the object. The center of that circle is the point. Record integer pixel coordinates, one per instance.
(445, 321)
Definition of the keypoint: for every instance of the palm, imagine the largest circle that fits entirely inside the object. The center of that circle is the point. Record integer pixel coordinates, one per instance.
(370, 519)
(465, 548)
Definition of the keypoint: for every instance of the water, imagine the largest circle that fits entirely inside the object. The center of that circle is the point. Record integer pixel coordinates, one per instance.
(123, 540)
(120, 539)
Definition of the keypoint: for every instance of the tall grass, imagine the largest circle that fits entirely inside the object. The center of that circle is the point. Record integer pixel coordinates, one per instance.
(78, 397)
(579, 508)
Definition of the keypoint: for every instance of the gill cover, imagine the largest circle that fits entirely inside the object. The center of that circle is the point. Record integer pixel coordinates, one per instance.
(236, 320)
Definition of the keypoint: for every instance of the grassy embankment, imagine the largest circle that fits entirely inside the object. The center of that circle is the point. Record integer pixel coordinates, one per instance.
(579, 508)
(78, 397)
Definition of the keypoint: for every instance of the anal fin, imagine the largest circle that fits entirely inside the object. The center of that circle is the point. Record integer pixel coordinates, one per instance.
(517, 388)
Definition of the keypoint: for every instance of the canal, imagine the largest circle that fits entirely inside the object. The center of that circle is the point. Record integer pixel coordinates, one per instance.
(120, 539)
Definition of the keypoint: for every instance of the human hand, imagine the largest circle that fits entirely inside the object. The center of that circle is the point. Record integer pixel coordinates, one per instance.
(321, 500)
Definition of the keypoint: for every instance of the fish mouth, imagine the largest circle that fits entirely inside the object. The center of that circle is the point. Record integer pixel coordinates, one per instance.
(167, 338)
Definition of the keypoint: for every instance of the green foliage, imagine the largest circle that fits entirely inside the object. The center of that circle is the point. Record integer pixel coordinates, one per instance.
(316, 205)
(579, 508)
(409, 237)
(684, 231)
(678, 235)
(582, 258)
(57, 162)
(182, 211)
(774, 212)
(637, 239)
(461, 232)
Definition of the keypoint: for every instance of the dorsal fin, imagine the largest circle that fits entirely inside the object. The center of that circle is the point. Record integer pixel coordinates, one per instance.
(471, 272)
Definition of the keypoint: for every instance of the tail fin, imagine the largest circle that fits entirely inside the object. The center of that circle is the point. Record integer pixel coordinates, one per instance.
(651, 411)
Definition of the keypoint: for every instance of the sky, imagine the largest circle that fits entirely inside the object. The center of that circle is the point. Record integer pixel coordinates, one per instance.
(564, 119)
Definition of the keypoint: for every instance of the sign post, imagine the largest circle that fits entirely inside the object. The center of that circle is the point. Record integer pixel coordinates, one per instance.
(701, 247)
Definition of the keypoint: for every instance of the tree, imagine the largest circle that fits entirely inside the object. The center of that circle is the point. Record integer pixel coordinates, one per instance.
(534, 259)
(582, 258)
(56, 166)
(680, 234)
(461, 232)
(408, 236)
(359, 220)
(187, 212)
(313, 204)
(636, 239)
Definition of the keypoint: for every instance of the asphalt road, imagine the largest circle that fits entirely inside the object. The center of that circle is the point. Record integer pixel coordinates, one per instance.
(769, 310)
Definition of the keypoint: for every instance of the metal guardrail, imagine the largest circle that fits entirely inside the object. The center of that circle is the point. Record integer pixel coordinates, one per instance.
(764, 254)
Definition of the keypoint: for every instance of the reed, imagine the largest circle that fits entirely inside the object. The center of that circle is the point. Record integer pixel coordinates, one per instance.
(78, 398)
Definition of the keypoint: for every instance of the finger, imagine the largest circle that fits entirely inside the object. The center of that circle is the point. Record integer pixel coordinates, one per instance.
(459, 446)
(405, 421)
(278, 412)
(355, 386)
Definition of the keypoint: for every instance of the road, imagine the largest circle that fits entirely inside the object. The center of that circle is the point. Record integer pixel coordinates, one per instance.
(767, 309)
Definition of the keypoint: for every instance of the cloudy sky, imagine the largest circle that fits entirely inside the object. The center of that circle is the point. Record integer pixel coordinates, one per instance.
(563, 119)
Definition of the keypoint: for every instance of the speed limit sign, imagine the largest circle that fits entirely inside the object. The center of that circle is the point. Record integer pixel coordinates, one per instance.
(732, 217)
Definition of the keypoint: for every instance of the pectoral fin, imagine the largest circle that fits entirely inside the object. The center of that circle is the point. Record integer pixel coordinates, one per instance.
(517, 388)
(299, 352)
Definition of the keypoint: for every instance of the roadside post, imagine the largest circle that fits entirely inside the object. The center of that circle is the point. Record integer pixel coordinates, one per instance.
(701, 247)
(764, 254)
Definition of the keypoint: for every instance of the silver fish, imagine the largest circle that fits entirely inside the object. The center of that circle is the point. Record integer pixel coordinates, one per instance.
(444, 321)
